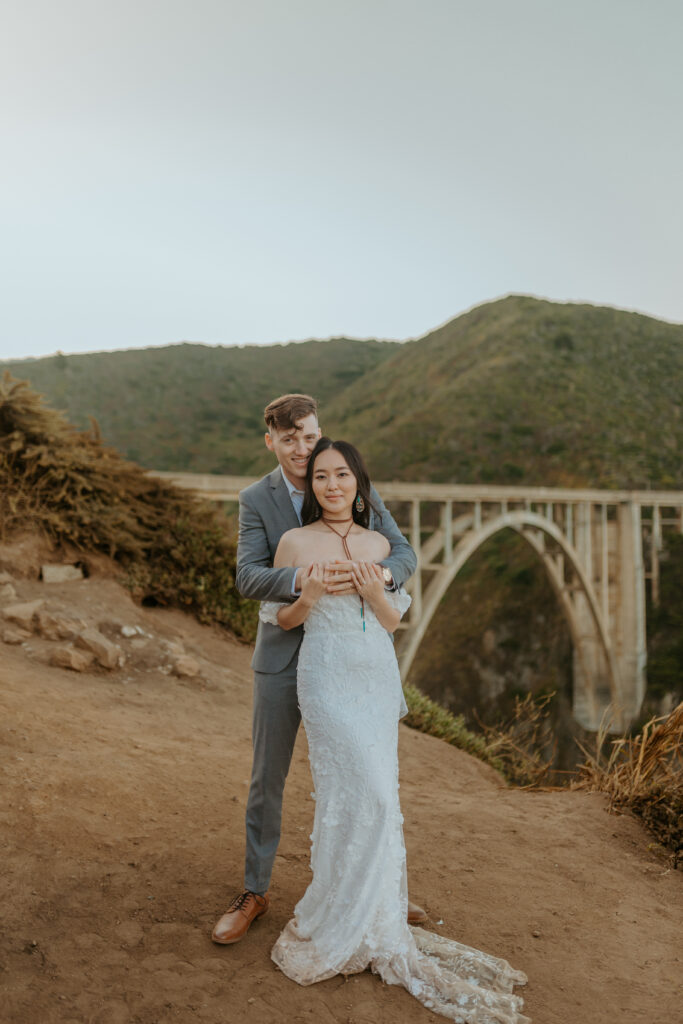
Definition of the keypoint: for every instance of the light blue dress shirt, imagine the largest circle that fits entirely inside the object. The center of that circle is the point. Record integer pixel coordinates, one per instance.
(297, 497)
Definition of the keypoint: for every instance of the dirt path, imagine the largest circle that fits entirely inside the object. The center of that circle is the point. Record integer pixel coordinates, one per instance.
(122, 841)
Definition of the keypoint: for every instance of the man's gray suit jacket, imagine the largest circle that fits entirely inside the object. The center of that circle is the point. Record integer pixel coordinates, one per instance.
(266, 512)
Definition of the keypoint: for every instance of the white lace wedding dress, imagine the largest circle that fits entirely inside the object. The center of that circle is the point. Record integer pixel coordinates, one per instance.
(353, 914)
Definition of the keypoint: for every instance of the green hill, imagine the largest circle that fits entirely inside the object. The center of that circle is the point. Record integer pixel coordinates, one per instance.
(194, 407)
(526, 391)
(520, 390)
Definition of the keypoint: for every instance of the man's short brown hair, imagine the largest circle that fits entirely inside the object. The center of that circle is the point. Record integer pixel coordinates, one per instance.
(284, 413)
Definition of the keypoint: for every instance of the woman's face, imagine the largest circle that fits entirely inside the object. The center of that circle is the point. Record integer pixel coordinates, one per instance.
(334, 485)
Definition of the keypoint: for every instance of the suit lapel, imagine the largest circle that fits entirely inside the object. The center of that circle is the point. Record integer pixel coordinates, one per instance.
(282, 500)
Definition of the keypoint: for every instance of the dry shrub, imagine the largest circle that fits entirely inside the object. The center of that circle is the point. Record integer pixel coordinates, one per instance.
(176, 549)
(511, 747)
(644, 774)
(517, 744)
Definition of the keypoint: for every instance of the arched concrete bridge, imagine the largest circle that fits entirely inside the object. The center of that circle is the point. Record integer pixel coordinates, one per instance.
(600, 550)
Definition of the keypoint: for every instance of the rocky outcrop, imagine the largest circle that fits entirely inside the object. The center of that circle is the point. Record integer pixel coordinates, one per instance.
(71, 657)
(57, 627)
(60, 573)
(49, 633)
(13, 634)
(107, 654)
(185, 666)
(7, 591)
(23, 614)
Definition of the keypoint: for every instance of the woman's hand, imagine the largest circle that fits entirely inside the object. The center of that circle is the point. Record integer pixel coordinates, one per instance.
(313, 583)
(312, 587)
(368, 581)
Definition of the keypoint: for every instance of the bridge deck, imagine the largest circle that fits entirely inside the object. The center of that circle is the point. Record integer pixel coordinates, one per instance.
(227, 488)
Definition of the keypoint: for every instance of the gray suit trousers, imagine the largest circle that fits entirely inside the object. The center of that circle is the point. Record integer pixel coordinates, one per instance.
(276, 718)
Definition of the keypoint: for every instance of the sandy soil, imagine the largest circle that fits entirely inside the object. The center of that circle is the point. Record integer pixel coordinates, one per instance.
(122, 841)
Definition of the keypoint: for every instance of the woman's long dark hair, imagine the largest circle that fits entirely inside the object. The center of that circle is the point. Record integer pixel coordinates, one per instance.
(311, 510)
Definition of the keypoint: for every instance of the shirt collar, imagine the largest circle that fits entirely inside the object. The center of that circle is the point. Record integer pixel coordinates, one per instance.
(289, 485)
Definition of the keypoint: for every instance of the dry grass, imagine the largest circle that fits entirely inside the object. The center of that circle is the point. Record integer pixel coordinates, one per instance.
(511, 747)
(64, 483)
(644, 774)
(518, 743)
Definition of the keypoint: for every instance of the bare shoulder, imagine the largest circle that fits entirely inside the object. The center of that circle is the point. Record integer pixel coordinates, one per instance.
(382, 542)
(378, 546)
(293, 536)
(290, 543)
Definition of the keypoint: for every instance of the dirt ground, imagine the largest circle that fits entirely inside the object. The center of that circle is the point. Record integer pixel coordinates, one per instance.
(122, 841)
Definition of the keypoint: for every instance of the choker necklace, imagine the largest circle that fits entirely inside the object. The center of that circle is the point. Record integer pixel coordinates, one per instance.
(347, 552)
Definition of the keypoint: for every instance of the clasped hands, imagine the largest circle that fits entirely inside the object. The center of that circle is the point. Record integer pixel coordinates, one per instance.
(342, 577)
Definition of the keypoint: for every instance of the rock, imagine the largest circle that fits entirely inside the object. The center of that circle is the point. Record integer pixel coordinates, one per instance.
(60, 573)
(22, 614)
(7, 592)
(71, 657)
(108, 655)
(57, 627)
(14, 635)
(6, 578)
(172, 647)
(184, 665)
(129, 631)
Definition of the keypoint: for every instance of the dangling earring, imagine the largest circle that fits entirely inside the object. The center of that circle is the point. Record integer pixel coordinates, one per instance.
(359, 503)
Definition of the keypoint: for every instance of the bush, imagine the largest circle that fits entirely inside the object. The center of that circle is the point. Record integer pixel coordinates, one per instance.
(644, 774)
(174, 548)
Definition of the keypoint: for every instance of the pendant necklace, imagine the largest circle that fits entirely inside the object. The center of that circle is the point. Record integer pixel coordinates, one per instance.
(347, 552)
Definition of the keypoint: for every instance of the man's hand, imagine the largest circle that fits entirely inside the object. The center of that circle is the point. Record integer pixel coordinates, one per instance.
(339, 578)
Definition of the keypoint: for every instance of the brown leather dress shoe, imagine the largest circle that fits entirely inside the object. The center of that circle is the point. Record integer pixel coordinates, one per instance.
(235, 922)
(416, 915)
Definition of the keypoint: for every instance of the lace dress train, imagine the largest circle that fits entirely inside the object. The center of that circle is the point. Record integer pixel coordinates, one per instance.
(353, 914)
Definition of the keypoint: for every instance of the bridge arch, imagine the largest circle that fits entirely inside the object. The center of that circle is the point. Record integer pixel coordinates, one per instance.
(618, 536)
(534, 529)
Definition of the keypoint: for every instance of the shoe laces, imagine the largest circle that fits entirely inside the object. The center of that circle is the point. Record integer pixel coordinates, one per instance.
(240, 902)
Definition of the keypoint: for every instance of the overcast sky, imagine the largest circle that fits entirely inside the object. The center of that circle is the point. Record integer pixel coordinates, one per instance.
(267, 170)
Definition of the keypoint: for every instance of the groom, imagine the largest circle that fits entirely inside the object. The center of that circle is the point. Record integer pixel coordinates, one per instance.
(268, 509)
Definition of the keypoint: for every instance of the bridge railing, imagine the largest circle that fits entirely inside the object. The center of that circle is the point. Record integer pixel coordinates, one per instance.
(660, 510)
(215, 487)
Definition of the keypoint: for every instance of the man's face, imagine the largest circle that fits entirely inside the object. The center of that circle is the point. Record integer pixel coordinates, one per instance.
(293, 447)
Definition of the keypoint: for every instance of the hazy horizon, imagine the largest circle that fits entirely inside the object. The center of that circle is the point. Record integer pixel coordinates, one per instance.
(331, 337)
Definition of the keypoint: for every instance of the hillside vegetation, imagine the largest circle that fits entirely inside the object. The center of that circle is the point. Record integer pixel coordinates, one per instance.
(66, 485)
(520, 390)
(193, 407)
(523, 391)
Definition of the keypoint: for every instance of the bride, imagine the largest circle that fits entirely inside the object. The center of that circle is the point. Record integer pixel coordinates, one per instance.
(353, 914)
